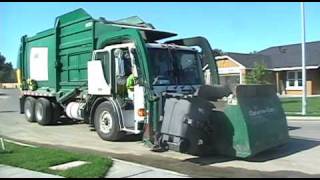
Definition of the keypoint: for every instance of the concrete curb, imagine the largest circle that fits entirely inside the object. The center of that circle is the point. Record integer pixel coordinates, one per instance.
(304, 118)
(126, 169)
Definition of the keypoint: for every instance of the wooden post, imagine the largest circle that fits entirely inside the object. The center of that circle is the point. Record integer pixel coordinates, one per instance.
(278, 82)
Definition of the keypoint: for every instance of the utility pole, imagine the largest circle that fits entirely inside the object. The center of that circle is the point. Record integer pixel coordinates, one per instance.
(304, 92)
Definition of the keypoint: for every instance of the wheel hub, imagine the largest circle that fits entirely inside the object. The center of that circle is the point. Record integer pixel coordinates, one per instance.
(39, 112)
(105, 122)
(28, 109)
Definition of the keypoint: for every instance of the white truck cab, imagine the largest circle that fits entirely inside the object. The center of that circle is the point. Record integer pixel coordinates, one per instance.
(164, 58)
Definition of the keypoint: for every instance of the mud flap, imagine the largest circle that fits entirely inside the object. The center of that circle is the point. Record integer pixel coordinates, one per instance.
(21, 104)
(255, 124)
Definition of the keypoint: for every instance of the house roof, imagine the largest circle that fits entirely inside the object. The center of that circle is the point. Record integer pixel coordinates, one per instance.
(290, 55)
(285, 56)
(249, 60)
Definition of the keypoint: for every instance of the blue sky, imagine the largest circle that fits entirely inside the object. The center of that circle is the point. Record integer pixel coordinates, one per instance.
(232, 27)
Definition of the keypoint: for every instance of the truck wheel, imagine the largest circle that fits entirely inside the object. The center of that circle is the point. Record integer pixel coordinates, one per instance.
(43, 111)
(29, 104)
(106, 122)
(56, 109)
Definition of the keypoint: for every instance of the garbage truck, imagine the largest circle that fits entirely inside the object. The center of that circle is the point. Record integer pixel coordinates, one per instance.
(123, 77)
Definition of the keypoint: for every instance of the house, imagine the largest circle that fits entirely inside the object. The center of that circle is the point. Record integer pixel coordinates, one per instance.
(284, 63)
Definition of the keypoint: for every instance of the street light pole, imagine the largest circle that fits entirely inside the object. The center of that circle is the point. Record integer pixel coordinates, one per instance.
(304, 93)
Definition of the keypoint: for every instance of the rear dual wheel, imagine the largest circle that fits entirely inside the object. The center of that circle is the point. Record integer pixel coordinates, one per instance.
(29, 104)
(41, 110)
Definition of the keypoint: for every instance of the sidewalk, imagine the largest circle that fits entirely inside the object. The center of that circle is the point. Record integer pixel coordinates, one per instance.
(14, 172)
(304, 118)
(296, 96)
(120, 169)
(124, 169)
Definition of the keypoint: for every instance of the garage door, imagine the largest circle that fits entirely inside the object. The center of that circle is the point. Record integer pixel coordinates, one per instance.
(230, 81)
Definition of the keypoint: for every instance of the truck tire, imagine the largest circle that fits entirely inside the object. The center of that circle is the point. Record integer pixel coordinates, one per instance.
(106, 122)
(29, 105)
(43, 111)
(56, 109)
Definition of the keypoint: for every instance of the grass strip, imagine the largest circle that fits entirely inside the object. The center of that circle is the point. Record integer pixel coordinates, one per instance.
(40, 159)
(292, 106)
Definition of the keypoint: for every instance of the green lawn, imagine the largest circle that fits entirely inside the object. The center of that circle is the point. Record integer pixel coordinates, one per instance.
(40, 159)
(292, 106)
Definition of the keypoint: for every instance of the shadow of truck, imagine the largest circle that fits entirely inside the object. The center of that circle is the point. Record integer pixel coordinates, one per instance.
(294, 145)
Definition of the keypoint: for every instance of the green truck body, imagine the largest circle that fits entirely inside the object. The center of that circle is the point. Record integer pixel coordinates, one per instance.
(70, 45)
(59, 75)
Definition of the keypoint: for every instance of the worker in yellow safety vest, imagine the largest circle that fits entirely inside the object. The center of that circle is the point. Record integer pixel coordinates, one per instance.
(131, 82)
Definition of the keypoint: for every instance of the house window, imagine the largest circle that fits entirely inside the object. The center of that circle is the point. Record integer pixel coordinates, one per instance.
(294, 80)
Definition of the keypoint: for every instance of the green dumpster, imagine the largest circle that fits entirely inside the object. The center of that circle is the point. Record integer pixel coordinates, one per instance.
(254, 124)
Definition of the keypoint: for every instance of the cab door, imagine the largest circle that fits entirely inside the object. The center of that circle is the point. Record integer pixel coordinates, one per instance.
(120, 55)
(100, 73)
(134, 36)
(129, 99)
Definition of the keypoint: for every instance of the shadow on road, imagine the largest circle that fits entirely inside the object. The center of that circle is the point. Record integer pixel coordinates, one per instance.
(291, 128)
(295, 145)
(63, 121)
(132, 138)
(207, 160)
(7, 111)
(2, 94)
(128, 138)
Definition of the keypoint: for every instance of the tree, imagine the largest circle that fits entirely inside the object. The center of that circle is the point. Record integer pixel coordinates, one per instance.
(258, 75)
(217, 52)
(7, 73)
(253, 52)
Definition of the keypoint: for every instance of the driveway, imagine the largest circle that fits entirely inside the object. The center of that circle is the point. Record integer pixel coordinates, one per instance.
(299, 158)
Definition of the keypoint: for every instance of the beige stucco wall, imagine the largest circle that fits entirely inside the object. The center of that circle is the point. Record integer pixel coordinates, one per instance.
(226, 63)
(313, 78)
(313, 83)
(8, 85)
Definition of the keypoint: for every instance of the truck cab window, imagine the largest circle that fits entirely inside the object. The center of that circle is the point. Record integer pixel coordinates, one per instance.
(172, 67)
(137, 66)
(123, 62)
(104, 58)
(189, 67)
(123, 69)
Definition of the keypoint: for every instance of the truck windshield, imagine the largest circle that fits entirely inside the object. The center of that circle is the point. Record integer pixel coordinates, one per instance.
(174, 67)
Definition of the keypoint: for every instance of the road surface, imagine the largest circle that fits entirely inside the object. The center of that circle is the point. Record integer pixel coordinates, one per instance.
(299, 158)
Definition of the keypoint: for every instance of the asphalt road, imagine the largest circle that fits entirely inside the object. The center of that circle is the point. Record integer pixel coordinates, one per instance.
(299, 158)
